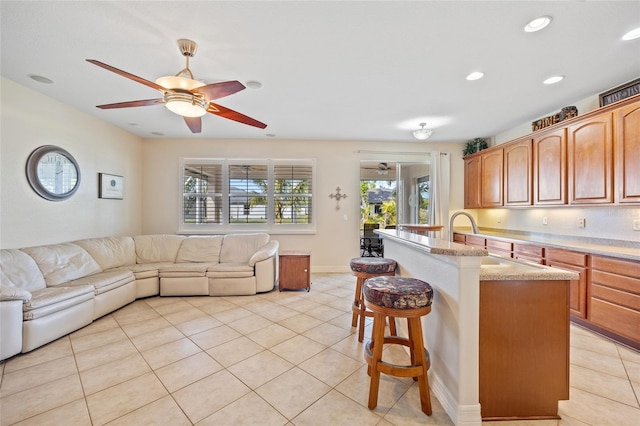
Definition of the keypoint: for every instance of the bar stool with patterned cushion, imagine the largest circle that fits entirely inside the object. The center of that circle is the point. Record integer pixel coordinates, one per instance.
(398, 297)
(363, 268)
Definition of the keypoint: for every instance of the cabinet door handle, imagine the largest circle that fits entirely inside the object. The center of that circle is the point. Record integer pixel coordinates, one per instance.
(306, 270)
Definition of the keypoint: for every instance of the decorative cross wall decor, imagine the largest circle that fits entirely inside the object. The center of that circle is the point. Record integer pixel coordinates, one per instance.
(338, 196)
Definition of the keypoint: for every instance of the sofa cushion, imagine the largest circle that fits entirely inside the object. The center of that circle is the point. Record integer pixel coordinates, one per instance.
(230, 270)
(18, 269)
(55, 299)
(205, 249)
(238, 248)
(60, 263)
(157, 248)
(104, 281)
(185, 270)
(110, 252)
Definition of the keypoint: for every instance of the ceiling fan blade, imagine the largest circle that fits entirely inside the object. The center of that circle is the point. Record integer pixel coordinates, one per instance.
(130, 104)
(219, 90)
(194, 123)
(128, 75)
(221, 111)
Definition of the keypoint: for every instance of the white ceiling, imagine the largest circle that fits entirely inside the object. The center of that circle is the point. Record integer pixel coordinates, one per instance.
(349, 70)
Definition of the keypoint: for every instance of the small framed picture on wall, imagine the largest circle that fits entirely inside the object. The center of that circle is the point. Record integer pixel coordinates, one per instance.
(110, 186)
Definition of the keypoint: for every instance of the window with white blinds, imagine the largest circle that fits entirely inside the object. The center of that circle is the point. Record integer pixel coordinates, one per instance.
(292, 187)
(222, 195)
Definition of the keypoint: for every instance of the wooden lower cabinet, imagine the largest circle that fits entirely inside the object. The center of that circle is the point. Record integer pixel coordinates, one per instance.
(295, 270)
(614, 302)
(528, 252)
(576, 262)
(499, 248)
(524, 349)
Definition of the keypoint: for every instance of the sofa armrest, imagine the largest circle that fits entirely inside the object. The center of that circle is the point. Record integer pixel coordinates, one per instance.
(268, 250)
(14, 293)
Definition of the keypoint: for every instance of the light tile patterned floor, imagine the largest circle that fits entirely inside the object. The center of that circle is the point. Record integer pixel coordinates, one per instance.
(287, 358)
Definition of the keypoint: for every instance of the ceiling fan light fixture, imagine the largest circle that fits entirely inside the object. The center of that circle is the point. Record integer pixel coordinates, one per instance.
(422, 133)
(175, 82)
(185, 104)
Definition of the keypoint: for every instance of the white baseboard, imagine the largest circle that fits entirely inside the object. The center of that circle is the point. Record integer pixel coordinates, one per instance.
(460, 415)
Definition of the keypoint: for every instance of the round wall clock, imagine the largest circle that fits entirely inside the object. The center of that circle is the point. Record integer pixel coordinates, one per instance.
(53, 173)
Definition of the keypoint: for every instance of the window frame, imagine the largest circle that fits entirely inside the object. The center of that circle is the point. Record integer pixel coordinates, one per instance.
(225, 226)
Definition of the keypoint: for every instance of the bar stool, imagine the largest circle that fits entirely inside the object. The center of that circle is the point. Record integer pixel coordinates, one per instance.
(363, 268)
(398, 297)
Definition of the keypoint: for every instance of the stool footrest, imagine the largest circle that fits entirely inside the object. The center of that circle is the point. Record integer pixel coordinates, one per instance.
(396, 369)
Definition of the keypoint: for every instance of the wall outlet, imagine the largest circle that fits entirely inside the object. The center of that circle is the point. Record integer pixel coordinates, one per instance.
(582, 222)
(636, 224)
(499, 219)
(545, 221)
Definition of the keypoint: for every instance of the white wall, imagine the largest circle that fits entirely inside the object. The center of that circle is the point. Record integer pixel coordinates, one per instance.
(601, 222)
(337, 162)
(29, 120)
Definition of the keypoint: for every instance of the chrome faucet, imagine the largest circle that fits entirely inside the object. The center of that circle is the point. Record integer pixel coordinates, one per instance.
(474, 226)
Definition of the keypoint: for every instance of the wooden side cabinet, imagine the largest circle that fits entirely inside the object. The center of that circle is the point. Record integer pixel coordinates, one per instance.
(295, 270)
(492, 176)
(472, 182)
(628, 154)
(517, 173)
(615, 296)
(590, 151)
(575, 262)
(550, 167)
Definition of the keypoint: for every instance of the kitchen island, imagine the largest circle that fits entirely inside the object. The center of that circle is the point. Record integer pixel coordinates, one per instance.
(477, 324)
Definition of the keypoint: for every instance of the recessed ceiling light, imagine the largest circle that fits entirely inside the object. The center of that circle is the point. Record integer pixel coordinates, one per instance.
(476, 75)
(134, 124)
(270, 135)
(632, 35)
(253, 84)
(40, 79)
(537, 24)
(554, 79)
(157, 133)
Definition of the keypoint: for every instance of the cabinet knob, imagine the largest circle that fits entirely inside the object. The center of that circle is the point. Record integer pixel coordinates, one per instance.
(306, 270)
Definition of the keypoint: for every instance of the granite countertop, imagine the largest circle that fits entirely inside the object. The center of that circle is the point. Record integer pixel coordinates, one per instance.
(492, 268)
(496, 268)
(433, 245)
(616, 248)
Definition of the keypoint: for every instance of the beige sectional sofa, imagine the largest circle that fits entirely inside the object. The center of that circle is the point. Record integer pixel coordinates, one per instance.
(49, 291)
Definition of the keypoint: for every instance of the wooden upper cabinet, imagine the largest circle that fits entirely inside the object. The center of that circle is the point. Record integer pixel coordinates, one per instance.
(472, 182)
(550, 167)
(590, 154)
(517, 173)
(491, 170)
(628, 154)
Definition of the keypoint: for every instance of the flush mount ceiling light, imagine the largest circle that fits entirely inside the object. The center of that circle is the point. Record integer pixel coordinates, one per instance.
(632, 35)
(422, 133)
(537, 24)
(476, 75)
(554, 79)
(40, 79)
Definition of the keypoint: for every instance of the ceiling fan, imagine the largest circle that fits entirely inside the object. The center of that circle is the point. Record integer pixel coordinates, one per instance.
(185, 96)
(381, 168)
